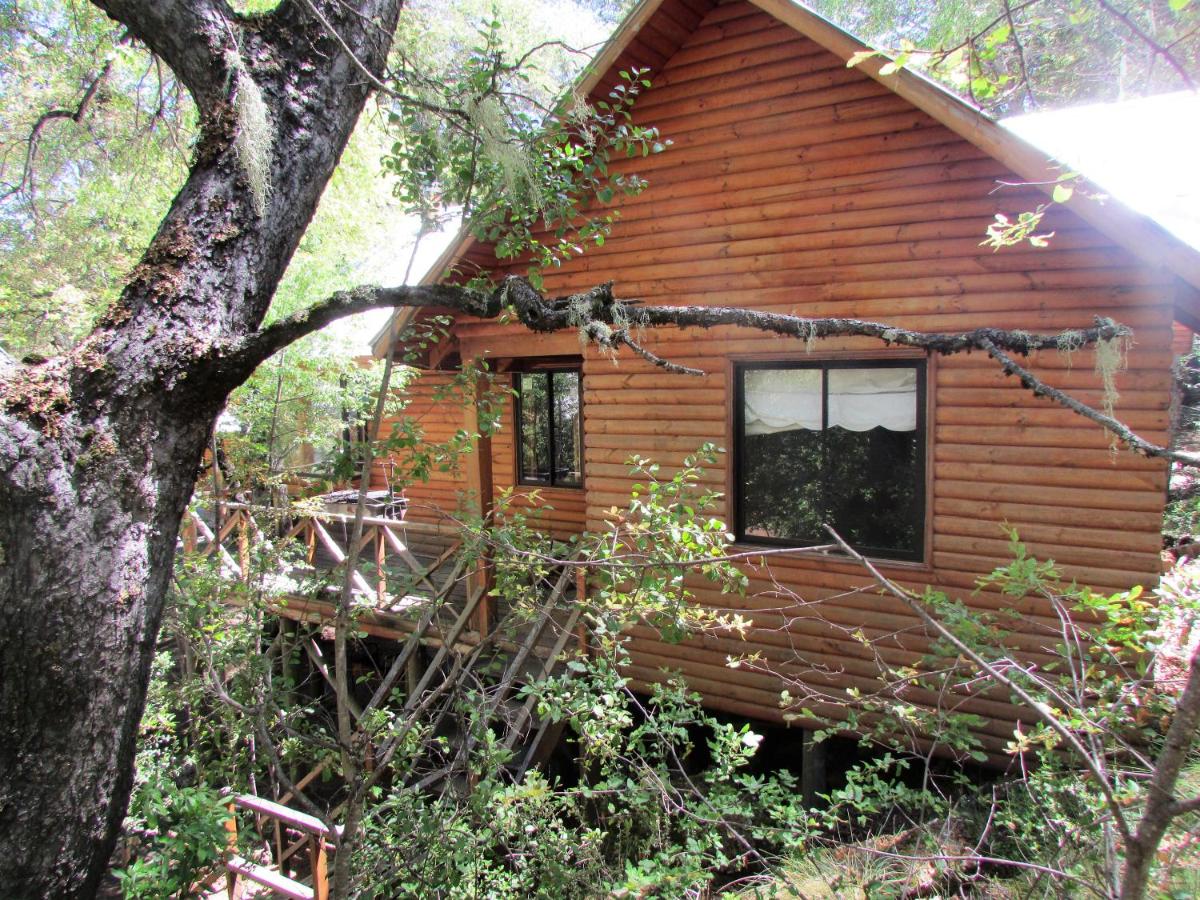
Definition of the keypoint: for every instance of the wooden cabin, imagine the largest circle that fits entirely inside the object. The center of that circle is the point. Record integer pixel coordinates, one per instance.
(797, 184)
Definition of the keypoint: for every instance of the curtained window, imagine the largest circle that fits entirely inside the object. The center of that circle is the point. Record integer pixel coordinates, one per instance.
(833, 442)
(550, 424)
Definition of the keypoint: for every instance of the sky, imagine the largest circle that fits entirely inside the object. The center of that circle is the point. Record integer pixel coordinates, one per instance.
(1145, 152)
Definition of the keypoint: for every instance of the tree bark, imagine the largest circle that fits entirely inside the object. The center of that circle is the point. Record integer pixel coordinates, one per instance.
(99, 450)
(1162, 806)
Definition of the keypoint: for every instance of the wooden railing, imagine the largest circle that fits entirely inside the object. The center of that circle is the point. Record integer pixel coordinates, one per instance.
(312, 833)
(414, 584)
(388, 576)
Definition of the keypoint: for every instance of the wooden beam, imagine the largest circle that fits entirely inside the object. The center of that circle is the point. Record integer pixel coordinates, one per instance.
(298, 820)
(448, 640)
(480, 485)
(280, 884)
(339, 557)
(401, 549)
(526, 711)
(228, 563)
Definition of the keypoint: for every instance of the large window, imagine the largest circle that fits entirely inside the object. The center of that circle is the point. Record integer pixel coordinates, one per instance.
(550, 422)
(841, 443)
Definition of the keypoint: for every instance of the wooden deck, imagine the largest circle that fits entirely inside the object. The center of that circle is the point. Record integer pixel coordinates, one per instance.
(410, 576)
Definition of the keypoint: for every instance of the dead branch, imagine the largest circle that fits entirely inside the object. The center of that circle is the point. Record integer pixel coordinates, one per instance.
(1019, 46)
(1118, 429)
(607, 321)
(1152, 45)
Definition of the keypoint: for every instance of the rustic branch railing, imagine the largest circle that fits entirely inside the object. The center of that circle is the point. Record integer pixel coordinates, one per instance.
(411, 577)
(312, 833)
(389, 573)
(418, 584)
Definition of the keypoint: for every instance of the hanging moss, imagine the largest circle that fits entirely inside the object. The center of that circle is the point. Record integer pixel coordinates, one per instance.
(582, 314)
(1111, 355)
(1068, 342)
(255, 133)
(579, 314)
(498, 145)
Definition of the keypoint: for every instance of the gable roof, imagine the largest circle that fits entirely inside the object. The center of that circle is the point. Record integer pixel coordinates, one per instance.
(1138, 234)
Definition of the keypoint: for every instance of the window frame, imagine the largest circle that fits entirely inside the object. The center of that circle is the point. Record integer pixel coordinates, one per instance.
(920, 522)
(549, 371)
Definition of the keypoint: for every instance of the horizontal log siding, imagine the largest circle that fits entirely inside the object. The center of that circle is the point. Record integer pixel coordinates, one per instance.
(436, 408)
(797, 185)
(438, 421)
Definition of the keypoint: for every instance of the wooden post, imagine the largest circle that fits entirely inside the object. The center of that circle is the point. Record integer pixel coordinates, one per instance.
(243, 543)
(320, 867)
(479, 484)
(231, 843)
(287, 666)
(412, 672)
(812, 769)
(380, 566)
(279, 846)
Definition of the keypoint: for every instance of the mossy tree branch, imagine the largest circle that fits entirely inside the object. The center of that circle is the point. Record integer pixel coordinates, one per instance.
(607, 321)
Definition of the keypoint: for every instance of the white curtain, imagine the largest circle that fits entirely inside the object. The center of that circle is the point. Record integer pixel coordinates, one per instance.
(859, 399)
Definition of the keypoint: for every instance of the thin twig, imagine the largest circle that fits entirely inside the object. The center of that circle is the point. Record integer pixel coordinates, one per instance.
(1155, 48)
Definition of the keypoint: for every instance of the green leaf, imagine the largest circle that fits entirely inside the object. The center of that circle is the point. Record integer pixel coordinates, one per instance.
(998, 36)
(1062, 193)
(860, 57)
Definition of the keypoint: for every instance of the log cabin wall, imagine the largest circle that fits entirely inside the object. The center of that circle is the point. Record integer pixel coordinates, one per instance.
(795, 184)
(436, 405)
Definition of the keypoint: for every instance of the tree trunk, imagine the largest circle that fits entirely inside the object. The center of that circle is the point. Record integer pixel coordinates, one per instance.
(99, 450)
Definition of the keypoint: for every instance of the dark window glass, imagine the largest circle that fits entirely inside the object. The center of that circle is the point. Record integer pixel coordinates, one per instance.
(550, 445)
(836, 443)
(534, 394)
(567, 429)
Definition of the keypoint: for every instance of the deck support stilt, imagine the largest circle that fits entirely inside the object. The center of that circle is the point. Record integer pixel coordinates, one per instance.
(812, 769)
(412, 673)
(287, 662)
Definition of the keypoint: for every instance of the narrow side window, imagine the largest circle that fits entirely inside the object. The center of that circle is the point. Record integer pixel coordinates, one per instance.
(550, 424)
